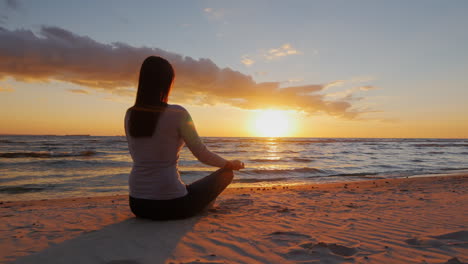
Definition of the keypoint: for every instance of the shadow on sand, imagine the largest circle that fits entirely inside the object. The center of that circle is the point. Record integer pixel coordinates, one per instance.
(133, 241)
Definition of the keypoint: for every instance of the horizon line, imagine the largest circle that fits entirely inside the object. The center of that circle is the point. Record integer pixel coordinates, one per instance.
(89, 135)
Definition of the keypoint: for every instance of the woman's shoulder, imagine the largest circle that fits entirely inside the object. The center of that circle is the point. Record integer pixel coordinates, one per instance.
(176, 109)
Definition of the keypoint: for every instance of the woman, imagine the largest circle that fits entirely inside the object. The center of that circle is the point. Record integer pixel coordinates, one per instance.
(156, 132)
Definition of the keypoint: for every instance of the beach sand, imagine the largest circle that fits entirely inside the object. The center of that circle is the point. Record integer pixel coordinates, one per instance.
(415, 220)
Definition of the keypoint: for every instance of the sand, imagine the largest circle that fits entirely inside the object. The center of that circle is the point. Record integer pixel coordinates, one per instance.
(415, 220)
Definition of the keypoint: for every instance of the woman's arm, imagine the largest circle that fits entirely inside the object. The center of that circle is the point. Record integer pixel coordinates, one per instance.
(195, 144)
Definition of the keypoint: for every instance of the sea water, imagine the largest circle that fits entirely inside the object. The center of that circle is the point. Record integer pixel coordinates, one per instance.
(45, 167)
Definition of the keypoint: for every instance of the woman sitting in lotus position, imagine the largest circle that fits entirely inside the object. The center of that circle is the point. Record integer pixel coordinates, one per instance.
(156, 132)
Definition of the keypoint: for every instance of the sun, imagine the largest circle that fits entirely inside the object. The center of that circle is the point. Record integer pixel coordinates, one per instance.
(272, 123)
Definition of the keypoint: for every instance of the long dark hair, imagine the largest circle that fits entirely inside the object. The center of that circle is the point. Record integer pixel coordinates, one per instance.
(154, 85)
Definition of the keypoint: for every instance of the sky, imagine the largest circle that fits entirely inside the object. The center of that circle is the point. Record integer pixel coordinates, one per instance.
(323, 68)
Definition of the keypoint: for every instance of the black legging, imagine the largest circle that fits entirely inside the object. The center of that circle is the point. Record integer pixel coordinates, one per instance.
(200, 194)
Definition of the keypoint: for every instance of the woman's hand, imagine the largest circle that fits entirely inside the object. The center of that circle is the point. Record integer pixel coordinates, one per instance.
(234, 165)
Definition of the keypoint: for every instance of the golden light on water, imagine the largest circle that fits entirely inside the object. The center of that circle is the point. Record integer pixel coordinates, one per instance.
(272, 123)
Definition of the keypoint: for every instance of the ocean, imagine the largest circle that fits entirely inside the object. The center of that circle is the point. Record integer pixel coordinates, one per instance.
(48, 167)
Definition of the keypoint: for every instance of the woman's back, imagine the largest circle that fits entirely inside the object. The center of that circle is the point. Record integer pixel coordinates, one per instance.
(165, 143)
(154, 174)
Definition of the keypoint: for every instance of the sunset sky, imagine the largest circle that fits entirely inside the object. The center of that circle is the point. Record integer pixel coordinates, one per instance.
(326, 68)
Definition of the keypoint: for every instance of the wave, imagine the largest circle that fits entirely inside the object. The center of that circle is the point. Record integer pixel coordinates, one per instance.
(288, 151)
(233, 151)
(251, 151)
(453, 169)
(439, 145)
(112, 140)
(358, 174)
(301, 159)
(20, 189)
(254, 180)
(52, 144)
(12, 155)
(213, 145)
(265, 160)
(285, 171)
(39, 164)
(6, 141)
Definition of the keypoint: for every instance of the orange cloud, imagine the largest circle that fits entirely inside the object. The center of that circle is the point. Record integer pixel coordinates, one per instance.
(367, 88)
(284, 50)
(349, 94)
(58, 54)
(247, 61)
(78, 91)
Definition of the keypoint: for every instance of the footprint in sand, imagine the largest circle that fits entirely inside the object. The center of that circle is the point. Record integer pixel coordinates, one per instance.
(287, 238)
(453, 261)
(424, 242)
(232, 204)
(309, 250)
(334, 248)
(458, 239)
(291, 234)
(324, 252)
(460, 236)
